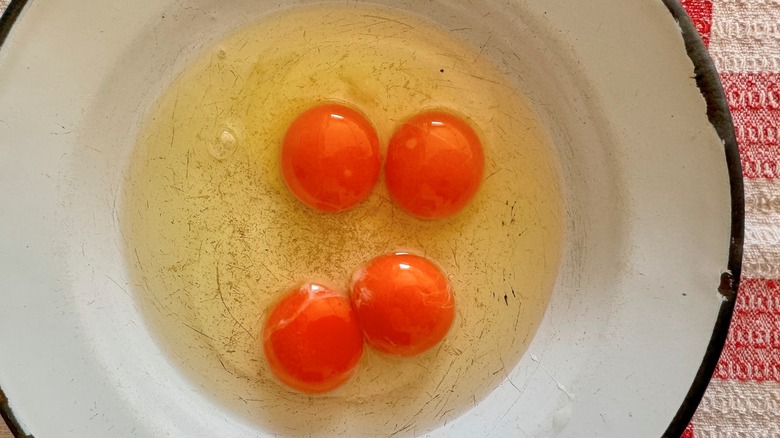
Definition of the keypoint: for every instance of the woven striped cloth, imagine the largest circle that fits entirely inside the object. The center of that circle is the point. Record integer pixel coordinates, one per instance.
(743, 399)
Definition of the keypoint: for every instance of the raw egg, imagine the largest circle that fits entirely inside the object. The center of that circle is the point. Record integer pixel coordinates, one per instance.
(330, 157)
(404, 303)
(312, 339)
(216, 236)
(434, 165)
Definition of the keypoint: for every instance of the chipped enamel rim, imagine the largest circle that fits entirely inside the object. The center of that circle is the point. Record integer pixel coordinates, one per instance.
(708, 81)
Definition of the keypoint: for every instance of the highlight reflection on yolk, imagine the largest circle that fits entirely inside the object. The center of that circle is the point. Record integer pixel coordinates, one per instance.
(330, 157)
(404, 303)
(434, 165)
(312, 340)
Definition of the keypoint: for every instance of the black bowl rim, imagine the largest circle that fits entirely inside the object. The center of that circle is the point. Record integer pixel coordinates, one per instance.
(710, 86)
(708, 81)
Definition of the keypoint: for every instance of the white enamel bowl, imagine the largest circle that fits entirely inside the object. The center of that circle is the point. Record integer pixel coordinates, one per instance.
(648, 199)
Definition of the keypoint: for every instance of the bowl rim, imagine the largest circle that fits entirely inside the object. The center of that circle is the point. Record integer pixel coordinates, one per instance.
(719, 116)
(711, 88)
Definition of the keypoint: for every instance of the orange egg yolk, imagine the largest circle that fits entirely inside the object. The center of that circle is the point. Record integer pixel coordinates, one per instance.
(434, 165)
(404, 303)
(330, 157)
(312, 340)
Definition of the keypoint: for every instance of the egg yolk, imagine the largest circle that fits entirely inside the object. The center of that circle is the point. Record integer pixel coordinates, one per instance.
(404, 303)
(312, 340)
(434, 165)
(330, 157)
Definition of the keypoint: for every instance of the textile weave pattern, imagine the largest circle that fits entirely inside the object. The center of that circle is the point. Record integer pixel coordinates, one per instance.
(743, 399)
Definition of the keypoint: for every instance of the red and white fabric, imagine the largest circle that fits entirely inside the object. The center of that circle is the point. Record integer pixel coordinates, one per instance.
(743, 399)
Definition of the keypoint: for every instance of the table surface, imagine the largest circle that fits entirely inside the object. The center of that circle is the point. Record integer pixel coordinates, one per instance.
(743, 399)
